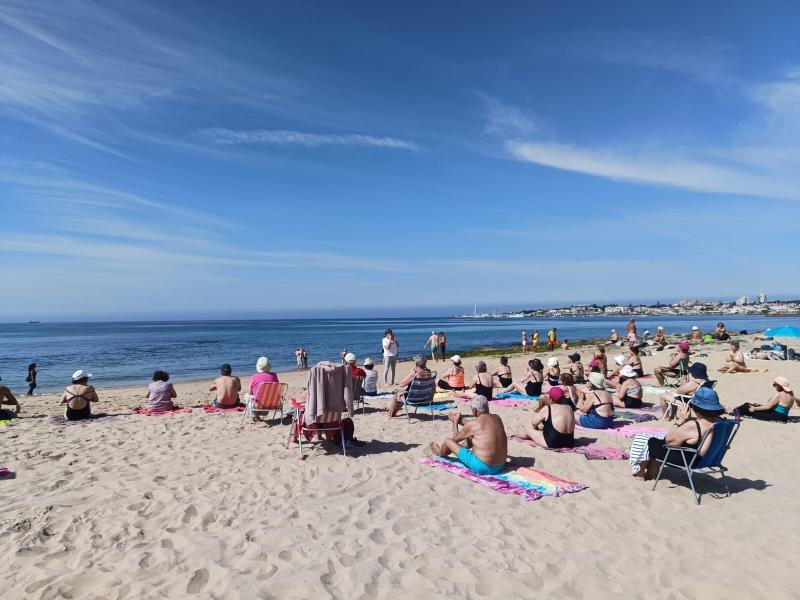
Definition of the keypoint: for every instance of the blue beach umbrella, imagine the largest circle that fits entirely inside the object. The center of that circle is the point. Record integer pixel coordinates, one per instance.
(785, 331)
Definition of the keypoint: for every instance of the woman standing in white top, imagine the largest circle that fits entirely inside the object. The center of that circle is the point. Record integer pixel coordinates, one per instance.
(390, 347)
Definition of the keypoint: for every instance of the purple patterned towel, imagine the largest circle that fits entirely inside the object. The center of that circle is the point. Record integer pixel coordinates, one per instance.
(632, 416)
(620, 430)
(592, 451)
(522, 481)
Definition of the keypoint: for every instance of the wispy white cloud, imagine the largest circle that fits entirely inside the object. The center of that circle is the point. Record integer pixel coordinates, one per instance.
(281, 137)
(505, 120)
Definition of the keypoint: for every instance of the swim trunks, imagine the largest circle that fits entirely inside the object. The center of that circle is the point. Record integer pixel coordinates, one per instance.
(476, 465)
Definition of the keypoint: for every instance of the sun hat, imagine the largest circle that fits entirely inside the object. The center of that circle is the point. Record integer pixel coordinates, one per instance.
(80, 374)
(555, 393)
(349, 357)
(684, 346)
(660, 328)
(695, 328)
(784, 383)
(455, 358)
(369, 361)
(706, 399)
(698, 371)
(613, 331)
(627, 371)
(575, 357)
(552, 361)
(263, 365)
(597, 380)
(619, 359)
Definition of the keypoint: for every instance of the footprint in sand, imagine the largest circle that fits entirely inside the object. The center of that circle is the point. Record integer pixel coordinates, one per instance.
(197, 582)
(189, 514)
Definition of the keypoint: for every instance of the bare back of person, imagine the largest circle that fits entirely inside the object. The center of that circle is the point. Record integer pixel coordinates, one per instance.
(78, 396)
(487, 438)
(228, 388)
(563, 417)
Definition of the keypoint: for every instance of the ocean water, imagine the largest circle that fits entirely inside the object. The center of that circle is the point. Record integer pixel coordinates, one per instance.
(126, 353)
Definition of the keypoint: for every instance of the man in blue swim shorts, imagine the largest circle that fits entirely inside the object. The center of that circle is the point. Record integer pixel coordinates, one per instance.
(485, 437)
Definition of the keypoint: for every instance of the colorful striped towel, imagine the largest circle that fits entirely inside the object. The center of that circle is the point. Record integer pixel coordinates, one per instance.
(210, 408)
(522, 481)
(144, 411)
(632, 416)
(592, 451)
(620, 430)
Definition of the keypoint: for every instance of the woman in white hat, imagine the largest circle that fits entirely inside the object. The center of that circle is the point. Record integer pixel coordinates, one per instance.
(697, 335)
(78, 396)
(370, 378)
(454, 376)
(629, 392)
(553, 374)
(263, 374)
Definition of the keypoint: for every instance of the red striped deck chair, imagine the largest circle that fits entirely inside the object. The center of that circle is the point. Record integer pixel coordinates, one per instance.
(329, 423)
(269, 398)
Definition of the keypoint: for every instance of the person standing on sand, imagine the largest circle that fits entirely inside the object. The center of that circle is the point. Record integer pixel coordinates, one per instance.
(442, 344)
(552, 339)
(31, 379)
(632, 331)
(433, 342)
(390, 347)
(535, 340)
(305, 357)
(298, 355)
(524, 342)
(485, 437)
(6, 397)
(227, 387)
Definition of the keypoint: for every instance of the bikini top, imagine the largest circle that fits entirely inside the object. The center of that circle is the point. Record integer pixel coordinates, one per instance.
(74, 395)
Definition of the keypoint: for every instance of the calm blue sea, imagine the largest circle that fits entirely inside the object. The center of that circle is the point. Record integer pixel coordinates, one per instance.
(126, 353)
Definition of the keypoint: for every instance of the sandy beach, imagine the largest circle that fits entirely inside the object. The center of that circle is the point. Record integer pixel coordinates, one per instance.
(189, 505)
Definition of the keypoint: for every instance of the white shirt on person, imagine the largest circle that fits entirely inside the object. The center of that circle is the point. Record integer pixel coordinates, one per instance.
(371, 381)
(389, 347)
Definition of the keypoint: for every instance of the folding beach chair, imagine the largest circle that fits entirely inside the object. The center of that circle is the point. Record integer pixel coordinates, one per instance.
(269, 397)
(724, 431)
(357, 389)
(420, 394)
(680, 375)
(328, 422)
(675, 401)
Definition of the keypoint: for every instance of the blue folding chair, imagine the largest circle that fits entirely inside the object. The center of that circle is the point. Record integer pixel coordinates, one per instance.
(710, 463)
(419, 395)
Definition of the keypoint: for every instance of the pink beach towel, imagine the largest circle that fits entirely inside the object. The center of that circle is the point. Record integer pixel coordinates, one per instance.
(149, 413)
(620, 430)
(593, 451)
(522, 481)
(210, 408)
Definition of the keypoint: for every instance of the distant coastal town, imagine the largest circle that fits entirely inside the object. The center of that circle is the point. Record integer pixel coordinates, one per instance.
(745, 305)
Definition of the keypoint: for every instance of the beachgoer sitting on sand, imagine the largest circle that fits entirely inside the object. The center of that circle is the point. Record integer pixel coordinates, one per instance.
(576, 367)
(263, 374)
(565, 345)
(503, 373)
(776, 408)
(485, 436)
(660, 340)
(483, 382)
(613, 338)
(454, 376)
(355, 370)
(681, 357)
(370, 378)
(629, 390)
(633, 359)
(6, 397)
(531, 382)
(78, 397)
(619, 360)
(600, 356)
(698, 377)
(720, 333)
(553, 374)
(595, 407)
(735, 362)
(160, 393)
(420, 371)
(697, 335)
(227, 387)
(571, 393)
(553, 427)
(693, 421)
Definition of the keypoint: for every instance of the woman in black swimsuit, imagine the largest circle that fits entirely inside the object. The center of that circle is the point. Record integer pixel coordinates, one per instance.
(531, 384)
(78, 397)
(554, 423)
(503, 373)
(31, 378)
(482, 382)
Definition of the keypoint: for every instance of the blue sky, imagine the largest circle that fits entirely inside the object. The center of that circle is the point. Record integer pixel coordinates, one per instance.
(189, 158)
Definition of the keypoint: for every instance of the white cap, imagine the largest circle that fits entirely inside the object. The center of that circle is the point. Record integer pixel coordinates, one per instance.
(627, 371)
(80, 374)
(349, 357)
(620, 359)
(552, 361)
(695, 328)
(455, 358)
(369, 361)
(263, 365)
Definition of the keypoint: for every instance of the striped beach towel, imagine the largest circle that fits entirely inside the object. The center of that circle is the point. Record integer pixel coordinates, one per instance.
(528, 483)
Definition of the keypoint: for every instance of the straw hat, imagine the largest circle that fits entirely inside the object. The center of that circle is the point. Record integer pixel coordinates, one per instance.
(784, 383)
